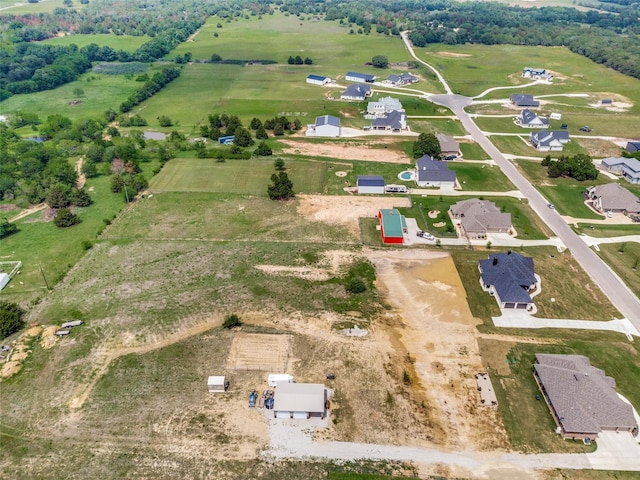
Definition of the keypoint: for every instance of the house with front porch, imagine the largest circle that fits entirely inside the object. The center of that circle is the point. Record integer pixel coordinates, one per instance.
(509, 277)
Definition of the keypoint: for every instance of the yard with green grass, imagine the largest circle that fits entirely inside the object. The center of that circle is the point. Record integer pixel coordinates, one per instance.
(600, 230)
(480, 177)
(473, 151)
(128, 43)
(624, 259)
(560, 274)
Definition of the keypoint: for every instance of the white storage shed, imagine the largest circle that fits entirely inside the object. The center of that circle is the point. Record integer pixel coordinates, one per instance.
(273, 379)
(216, 383)
(300, 400)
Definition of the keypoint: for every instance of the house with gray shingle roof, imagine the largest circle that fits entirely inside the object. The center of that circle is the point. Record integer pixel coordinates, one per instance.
(509, 277)
(394, 121)
(356, 92)
(582, 399)
(613, 197)
(402, 79)
(528, 119)
(549, 140)
(434, 173)
(384, 106)
(448, 145)
(478, 217)
(524, 100)
(629, 168)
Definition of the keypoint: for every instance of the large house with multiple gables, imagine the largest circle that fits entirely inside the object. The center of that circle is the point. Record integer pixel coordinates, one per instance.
(549, 140)
(509, 277)
(528, 119)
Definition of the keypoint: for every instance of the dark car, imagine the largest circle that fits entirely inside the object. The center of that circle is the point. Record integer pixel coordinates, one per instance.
(450, 157)
(564, 126)
(585, 129)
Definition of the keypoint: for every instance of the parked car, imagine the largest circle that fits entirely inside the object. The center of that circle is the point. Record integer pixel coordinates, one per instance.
(551, 206)
(253, 396)
(450, 157)
(425, 235)
(585, 128)
(564, 126)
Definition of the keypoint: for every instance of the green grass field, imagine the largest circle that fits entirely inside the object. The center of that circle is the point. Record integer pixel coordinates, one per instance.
(624, 259)
(128, 43)
(12, 7)
(473, 151)
(244, 177)
(473, 176)
(599, 230)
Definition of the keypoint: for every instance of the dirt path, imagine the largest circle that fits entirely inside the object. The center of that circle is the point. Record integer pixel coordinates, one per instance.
(28, 211)
(82, 179)
(105, 355)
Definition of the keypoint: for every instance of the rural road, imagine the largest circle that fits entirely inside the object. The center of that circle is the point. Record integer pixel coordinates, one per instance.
(619, 294)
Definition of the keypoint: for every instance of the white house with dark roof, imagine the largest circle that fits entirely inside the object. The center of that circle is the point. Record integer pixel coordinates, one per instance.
(478, 217)
(384, 106)
(402, 79)
(359, 77)
(613, 197)
(394, 121)
(523, 100)
(537, 74)
(318, 80)
(549, 140)
(629, 168)
(325, 126)
(509, 277)
(434, 173)
(581, 398)
(356, 92)
(528, 119)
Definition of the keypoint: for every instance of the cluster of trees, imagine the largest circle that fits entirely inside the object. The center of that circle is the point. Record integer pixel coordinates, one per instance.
(221, 125)
(150, 87)
(427, 144)
(280, 188)
(216, 58)
(297, 60)
(10, 318)
(579, 167)
(7, 228)
(380, 61)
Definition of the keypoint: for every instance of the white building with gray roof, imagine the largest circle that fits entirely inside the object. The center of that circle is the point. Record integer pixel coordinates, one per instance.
(582, 399)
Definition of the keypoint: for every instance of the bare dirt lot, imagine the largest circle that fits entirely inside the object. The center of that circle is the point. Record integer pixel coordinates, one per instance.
(256, 351)
(345, 211)
(345, 151)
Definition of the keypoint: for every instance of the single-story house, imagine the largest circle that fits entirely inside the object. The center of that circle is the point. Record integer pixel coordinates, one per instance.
(318, 79)
(370, 184)
(216, 383)
(549, 140)
(581, 398)
(356, 92)
(384, 105)
(537, 74)
(613, 197)
(393, 121)
(629, 168)
(300, 400)
(325, 126)
(509, 277)
(528, 119)
(402, 79)
(633, 147)
(393, 225)
(360, 77)
(448, 145)
(524, 100)
(434, 173)
(479, 217)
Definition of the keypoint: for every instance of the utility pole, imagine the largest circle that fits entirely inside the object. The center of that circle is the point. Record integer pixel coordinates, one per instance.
(43, 277)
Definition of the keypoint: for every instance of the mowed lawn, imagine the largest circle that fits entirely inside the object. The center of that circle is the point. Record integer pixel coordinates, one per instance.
(624, 259)
(474, 176)
(246, 177)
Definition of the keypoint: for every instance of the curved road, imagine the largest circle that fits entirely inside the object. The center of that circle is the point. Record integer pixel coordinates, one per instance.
(619, 294)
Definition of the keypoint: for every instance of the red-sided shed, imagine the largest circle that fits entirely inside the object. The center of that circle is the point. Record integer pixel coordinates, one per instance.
(392, 225)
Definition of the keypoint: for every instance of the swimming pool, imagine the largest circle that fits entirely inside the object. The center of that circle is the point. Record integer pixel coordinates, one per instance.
(406, 175)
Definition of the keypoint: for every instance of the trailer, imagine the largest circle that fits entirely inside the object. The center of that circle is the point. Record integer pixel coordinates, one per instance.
(217, 383)
(71, 324)
(396, 189)
(274, 378)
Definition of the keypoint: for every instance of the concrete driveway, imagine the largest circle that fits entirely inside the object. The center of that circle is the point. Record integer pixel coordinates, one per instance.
(616, 451)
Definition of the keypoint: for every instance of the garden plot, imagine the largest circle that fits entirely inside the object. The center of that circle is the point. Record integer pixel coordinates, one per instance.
(257, 351)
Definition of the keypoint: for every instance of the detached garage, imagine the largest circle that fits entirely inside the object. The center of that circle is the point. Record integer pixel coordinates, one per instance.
(370, 184)
(300, 400)
(393, 225)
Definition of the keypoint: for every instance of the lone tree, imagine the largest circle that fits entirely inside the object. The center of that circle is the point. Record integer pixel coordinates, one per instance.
(65, 218)
(7, 228)
(263, 150)
(278, 164)
(10, 318)
(380, 61)
(427, 144)
(232, 320)
(281, 187)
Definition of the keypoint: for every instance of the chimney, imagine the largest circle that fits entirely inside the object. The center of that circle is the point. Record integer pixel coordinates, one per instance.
(495, 260)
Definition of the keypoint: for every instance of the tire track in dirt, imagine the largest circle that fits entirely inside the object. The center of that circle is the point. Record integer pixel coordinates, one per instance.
(107, 355)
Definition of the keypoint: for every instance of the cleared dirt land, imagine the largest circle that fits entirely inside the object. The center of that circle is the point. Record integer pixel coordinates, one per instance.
(345, 151)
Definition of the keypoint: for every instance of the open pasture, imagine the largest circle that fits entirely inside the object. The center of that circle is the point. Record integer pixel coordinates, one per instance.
(481, 67)
(14, 7)
(128, 43)
(242, 177)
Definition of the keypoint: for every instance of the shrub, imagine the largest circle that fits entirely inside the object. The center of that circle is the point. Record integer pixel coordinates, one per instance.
(65, 218)
(10, 318)
(231, 321)
(355, 285)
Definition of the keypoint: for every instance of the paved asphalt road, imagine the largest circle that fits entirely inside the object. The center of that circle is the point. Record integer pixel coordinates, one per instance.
(619, 294)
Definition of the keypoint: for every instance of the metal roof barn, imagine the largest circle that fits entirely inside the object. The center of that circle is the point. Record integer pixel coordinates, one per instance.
(299, 400)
